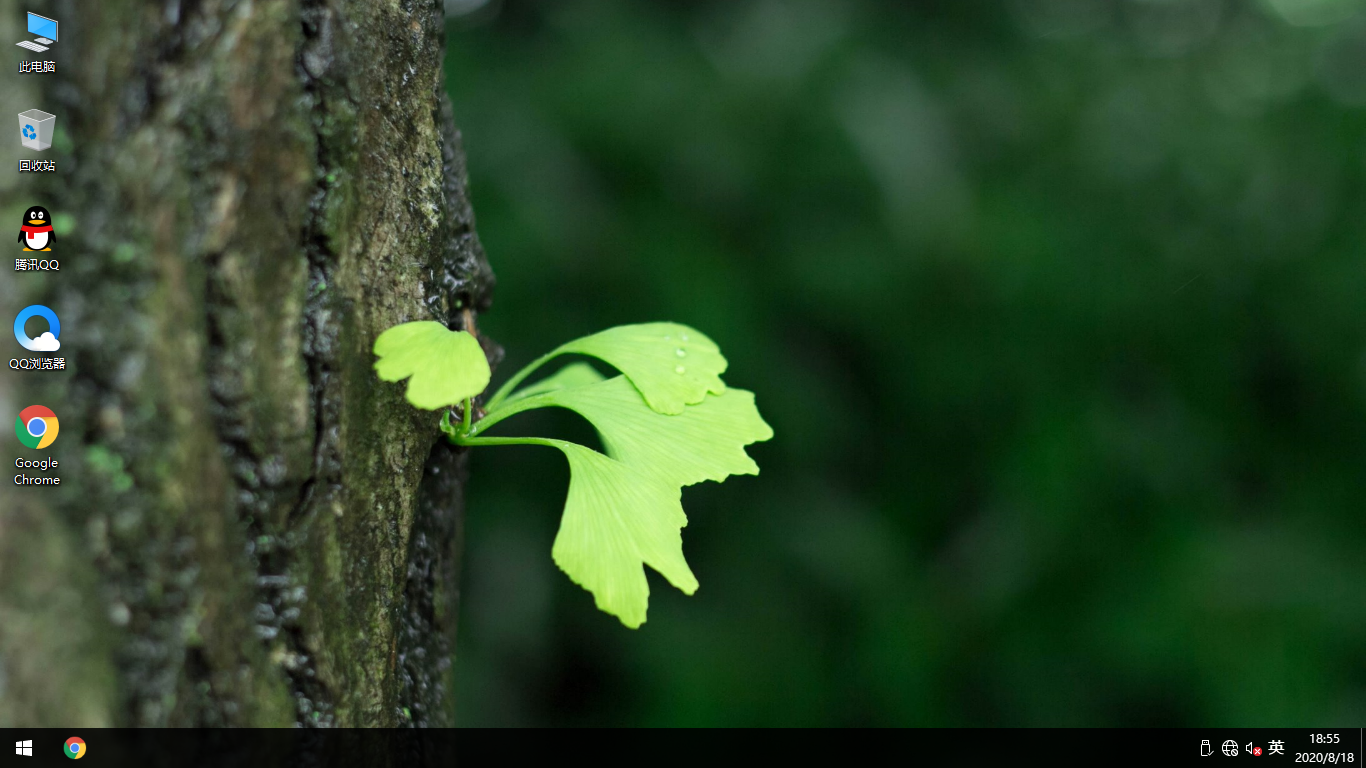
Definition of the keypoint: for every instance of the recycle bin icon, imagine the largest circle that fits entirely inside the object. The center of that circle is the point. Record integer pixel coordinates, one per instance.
(35, 129)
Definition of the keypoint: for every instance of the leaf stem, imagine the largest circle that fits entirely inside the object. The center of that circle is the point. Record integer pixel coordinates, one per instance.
(477, 441)
(518, 378)
(465, 420)
(521, 404)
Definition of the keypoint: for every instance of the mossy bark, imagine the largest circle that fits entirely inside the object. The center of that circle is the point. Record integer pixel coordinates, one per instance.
(251, 529)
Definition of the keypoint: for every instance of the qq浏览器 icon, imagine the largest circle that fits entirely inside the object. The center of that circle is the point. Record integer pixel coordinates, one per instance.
(43, 342)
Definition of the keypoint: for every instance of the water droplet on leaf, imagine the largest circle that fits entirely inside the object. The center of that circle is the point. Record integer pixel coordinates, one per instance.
(680, 352)
(680, 369)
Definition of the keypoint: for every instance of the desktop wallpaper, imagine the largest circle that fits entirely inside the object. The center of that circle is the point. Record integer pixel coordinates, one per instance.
(1057, 309)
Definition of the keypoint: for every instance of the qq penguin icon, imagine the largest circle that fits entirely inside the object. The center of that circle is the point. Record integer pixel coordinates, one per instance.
(35, 231)
(46, 341)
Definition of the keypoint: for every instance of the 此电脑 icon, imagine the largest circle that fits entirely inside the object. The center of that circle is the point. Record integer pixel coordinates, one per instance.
(44, 28)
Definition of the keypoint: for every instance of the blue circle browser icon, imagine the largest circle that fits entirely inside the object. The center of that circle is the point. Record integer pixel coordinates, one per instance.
(45, 341)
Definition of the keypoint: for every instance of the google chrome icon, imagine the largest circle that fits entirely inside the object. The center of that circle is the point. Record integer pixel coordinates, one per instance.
(36, 427)
(75, 748)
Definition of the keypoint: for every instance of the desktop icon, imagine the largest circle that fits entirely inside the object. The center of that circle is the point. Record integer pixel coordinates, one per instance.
(35, 231)
(24, 748)
(47, 340)
(36, 426)
(75, 748)
(44, 28)
(35, 129)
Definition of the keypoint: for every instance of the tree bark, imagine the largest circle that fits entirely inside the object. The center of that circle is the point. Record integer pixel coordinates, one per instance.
(251, 529)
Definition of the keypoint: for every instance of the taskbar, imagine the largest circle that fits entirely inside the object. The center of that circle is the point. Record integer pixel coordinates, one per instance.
(377, 748)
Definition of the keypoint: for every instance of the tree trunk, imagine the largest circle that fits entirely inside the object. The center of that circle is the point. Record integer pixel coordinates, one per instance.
(250, 529)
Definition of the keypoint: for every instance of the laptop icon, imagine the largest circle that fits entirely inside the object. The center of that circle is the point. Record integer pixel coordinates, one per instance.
(44, 28)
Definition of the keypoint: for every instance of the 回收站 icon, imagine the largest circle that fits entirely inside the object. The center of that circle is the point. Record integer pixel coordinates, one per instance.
(35, 129)
(45, 341)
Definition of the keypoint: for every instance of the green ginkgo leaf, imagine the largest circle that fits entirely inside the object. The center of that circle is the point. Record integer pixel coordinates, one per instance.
(705, 442)
(666, 422)
(672, 365)
(446, 366)
(617, 520)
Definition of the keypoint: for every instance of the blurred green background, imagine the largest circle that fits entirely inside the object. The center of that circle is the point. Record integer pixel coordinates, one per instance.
(1056, 307)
